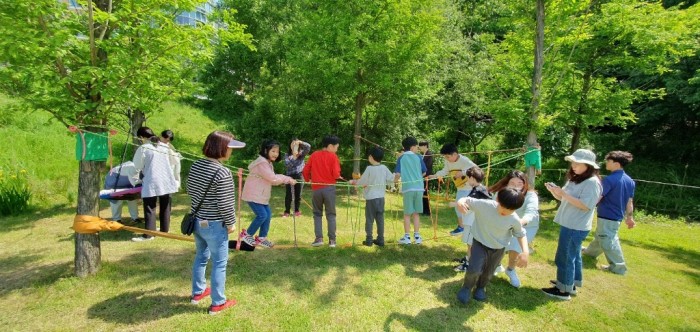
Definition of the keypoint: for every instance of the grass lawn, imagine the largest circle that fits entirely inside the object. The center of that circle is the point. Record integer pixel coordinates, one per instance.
(145, 286)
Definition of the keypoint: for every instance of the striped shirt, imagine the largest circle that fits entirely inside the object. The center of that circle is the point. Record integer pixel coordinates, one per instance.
(220, 200)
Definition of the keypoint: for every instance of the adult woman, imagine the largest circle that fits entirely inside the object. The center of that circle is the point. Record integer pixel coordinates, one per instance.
(211, 185)
(294, 164)
(152, 162)
(167, 137)
(575, 216)
(529, 218)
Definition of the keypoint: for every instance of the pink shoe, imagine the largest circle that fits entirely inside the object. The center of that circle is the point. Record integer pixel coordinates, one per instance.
(263, 241)
(285, 215)
(297, 214)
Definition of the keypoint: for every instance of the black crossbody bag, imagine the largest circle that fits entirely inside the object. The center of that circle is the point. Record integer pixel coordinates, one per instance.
(187, 226)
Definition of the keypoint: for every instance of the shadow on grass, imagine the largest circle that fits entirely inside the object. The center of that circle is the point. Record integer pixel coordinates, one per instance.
(27, 218)
(25, 271)
(691, 258)
(142, 306)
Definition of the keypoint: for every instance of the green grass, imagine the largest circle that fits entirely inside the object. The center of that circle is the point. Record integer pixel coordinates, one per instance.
(145, 286)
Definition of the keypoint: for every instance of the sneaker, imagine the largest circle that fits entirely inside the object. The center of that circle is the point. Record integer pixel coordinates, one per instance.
(514, 280)
(138, 220)
(247, 238)
(457, 231)
(368, 243)
(419, 239)
(461, 260)
(378, 242)
(405, 240)
(196, 298)
(215, 309)
(263, 241)
(464, 295)
(461, 267)
(318, 242)
(297, 213)
(554, 283)
(142, 238)
(331, 243)
(555, 292)
(499, 269)
(285, 215)
(480, 294)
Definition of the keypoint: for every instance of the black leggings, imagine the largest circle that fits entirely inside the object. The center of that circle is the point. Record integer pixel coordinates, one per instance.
(297, 194)
(149, 212)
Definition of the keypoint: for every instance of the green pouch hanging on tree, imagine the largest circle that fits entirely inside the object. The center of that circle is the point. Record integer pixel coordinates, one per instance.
(91, 146)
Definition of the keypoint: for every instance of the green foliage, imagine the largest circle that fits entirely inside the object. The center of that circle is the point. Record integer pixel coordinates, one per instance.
(84, 65)
(14, 191)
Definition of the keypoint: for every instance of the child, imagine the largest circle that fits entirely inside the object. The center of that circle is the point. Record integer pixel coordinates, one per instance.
(529, 218)
(256, 192)
(474, 177)
(119, 177)
(410, 168)
(456, 165)
(374, 180)
(616, 205)
(322, 169)
(427, 155)
(294, 164)
(495, 223)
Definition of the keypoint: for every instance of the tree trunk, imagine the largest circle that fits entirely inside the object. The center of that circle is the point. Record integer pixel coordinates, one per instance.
(136, 120)
(582, 108)
(360, 99)
(87, 246)
(536, 85)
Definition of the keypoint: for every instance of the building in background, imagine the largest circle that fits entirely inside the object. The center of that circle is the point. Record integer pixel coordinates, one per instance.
(199, 16)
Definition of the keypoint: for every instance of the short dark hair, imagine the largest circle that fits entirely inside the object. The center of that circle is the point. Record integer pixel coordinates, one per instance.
(409, 142)
(146, 132)
(423, 143)
(621, 157)
(265, 148)
(216, 144)
(448, 148)
(377, 154)
(511, 198)
(330, 140)
(168, 134)
(476, 173)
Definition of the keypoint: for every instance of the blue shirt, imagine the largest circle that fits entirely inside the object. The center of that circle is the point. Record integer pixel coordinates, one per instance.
(618, 188)
(411, 168)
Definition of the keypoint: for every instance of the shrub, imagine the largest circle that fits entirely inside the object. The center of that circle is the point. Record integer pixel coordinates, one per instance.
(14, 192)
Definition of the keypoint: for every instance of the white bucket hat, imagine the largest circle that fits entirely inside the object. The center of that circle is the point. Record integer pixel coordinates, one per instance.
(583, 156)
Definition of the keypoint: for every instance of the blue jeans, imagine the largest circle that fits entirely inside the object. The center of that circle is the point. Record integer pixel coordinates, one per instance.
(211, 239)
(568, 259)
(263, 215)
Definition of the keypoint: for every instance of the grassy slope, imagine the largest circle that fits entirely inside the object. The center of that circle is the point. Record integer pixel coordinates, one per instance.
(145, 286)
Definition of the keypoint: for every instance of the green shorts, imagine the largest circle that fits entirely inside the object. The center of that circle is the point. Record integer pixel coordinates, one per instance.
(413, 202)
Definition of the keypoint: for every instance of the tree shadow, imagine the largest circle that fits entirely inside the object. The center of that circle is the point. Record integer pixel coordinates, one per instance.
(144, 306)
(24, 270)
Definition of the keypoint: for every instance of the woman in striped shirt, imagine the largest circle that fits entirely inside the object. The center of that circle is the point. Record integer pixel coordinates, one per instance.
(211, 184)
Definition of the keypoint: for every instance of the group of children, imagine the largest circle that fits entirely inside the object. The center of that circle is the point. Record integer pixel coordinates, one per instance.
(492, 221)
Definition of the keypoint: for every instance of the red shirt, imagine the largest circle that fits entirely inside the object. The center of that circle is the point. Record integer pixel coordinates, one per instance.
(322, 167)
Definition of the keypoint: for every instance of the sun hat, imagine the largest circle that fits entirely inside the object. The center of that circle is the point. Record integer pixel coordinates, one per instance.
(234, 144)
(583, 156)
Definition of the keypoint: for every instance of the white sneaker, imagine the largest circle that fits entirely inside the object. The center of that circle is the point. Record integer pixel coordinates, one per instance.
(405, 240)
(418, 239)
(499, 269)
(514, 280)
(141, 238)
